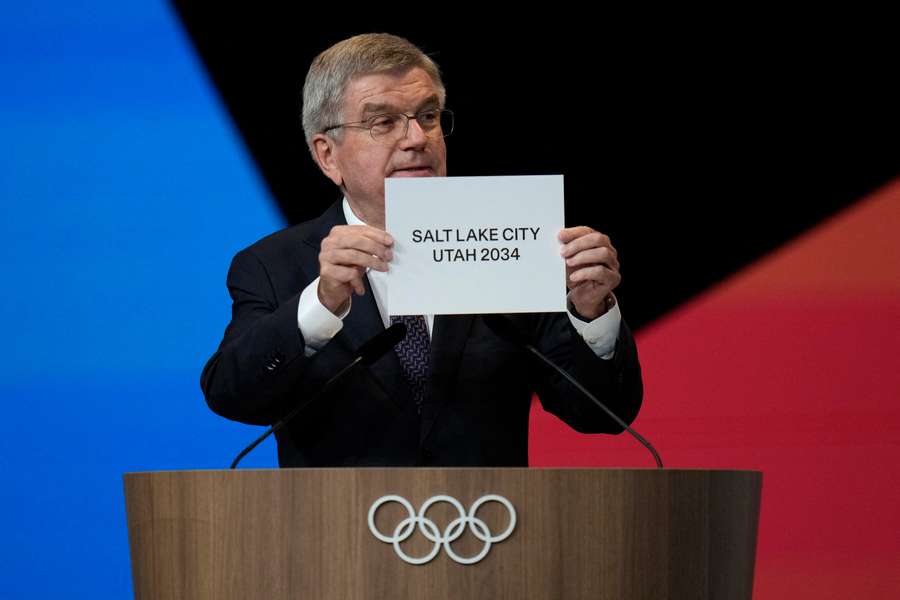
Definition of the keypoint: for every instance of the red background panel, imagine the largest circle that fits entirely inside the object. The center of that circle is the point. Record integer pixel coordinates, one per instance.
(791, 367)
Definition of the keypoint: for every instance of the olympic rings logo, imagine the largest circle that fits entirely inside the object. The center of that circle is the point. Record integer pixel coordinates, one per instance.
(453, 532)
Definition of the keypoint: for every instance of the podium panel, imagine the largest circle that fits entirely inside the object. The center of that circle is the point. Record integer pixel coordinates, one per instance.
(493, 534)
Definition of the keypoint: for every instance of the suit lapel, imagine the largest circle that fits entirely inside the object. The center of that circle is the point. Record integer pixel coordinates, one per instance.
(362, 324)
(448, 340)
(364, 321)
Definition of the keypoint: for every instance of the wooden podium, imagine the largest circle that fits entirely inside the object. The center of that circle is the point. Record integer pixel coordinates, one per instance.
(615, 534)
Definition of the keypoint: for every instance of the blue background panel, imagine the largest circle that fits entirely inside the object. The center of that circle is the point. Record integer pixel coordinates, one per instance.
(126, 191)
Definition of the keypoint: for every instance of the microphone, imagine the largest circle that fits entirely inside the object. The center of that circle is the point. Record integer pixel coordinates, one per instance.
(505, 329)
(367, 354)
(381, 344)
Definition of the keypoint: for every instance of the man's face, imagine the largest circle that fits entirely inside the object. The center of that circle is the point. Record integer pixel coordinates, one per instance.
(360, 163)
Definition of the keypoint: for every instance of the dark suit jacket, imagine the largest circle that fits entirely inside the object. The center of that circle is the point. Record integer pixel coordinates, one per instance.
(481, 386)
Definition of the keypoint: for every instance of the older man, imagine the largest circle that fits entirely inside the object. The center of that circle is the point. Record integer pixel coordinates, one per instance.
(453, 393)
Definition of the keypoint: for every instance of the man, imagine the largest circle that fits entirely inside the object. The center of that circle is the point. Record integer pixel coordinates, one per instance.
(452, 393)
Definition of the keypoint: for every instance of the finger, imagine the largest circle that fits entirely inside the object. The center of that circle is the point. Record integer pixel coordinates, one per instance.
(377, 235)
(339, 274)
(353, 258)
(358, 286)
(342, 277)
(598, 274)
(570, 233)
(382, 237)
(356, 241)
(594, 256)
(594, 239)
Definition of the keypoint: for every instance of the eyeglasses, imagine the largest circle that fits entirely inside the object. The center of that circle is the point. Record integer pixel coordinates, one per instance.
(389, 128)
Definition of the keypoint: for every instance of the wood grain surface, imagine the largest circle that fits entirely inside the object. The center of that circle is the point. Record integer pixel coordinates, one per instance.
(581, 533)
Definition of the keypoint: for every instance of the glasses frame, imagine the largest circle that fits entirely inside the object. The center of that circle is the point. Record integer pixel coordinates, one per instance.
(369, 123)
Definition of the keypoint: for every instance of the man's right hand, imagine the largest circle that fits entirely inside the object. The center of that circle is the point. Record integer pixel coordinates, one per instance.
(343, 259)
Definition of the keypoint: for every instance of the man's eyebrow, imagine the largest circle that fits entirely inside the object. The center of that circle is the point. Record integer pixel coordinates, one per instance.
(377, 109)
(382, 107)
(429, 102)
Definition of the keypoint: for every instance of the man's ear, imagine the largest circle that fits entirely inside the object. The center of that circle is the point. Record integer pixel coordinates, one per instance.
(324, 153)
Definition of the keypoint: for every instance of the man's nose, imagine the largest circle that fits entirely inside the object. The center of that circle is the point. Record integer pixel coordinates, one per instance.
(415, 135)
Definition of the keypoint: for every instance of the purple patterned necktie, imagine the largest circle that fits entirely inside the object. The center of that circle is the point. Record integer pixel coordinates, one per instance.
(414, 352)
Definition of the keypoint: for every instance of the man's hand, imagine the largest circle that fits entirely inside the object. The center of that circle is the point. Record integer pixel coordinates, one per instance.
(343, 259)
(592, 269)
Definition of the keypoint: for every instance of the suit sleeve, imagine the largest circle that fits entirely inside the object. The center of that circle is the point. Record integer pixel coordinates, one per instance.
(261, 357)
(616, 382)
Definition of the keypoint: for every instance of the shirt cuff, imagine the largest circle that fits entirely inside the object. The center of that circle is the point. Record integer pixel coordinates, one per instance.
(317, 324)
(601, 333)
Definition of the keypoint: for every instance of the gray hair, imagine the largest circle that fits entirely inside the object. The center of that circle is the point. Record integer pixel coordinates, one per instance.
(333, 69)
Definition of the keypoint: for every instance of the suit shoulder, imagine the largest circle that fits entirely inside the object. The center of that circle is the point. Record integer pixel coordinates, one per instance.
(288, 242)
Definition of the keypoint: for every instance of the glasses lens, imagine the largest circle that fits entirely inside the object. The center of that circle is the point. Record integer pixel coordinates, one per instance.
(446, 122)
(387, 127)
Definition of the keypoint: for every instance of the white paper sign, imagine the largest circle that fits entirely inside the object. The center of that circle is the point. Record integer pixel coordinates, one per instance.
(475, 244)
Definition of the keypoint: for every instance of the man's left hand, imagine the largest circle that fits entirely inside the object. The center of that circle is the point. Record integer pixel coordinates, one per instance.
(592, 269)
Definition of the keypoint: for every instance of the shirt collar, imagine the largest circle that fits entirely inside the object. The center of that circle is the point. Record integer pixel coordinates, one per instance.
(349, 215)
